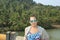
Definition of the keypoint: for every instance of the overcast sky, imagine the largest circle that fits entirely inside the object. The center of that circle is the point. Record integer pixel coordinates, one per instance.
(48, 2)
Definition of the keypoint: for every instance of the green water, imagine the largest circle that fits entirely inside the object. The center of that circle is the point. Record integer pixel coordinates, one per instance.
(54, 34)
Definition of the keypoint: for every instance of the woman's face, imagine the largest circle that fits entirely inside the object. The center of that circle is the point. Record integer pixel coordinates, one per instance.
(33, 21)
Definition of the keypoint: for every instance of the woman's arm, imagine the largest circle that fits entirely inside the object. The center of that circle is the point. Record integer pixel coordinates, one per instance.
(45, 35)
(25, 38)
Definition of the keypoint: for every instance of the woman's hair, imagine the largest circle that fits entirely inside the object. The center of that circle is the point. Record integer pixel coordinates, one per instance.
(33, 15)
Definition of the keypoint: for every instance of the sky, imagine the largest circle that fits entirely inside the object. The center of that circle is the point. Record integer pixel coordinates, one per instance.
(49, 2)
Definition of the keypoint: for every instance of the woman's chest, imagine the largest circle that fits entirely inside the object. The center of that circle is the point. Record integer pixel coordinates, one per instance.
(36, 36)
(33, 30)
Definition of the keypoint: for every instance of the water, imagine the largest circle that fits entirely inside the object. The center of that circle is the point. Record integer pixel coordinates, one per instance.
(54, 34)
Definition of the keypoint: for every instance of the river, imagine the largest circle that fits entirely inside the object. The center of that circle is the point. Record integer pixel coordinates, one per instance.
(54, 34)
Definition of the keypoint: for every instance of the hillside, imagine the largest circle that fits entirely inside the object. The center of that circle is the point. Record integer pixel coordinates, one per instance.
(14, 14)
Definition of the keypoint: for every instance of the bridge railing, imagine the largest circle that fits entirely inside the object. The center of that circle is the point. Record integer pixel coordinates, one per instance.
(11, 35)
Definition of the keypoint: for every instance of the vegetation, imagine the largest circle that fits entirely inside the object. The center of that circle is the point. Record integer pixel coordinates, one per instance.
(14, 14)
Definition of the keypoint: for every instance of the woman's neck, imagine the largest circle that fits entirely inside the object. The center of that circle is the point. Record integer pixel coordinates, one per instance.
(34, 26)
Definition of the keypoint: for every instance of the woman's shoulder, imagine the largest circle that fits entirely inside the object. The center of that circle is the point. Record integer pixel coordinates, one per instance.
(27, 29)
(41, 28)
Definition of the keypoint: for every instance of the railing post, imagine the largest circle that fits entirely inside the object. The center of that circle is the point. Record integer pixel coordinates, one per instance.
(13, 36)
(8, 35)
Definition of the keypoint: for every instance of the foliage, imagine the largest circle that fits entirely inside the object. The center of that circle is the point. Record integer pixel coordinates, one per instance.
(14, 14)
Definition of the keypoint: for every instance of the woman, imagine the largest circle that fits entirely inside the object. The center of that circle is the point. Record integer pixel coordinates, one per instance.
(35, 32)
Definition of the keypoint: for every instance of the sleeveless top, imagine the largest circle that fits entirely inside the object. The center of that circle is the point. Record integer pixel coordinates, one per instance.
(35, 36)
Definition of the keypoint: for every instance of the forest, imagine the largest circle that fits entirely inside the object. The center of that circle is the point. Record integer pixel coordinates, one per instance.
(14, 14)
